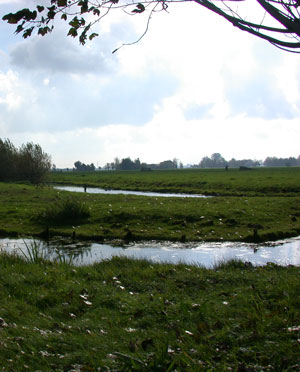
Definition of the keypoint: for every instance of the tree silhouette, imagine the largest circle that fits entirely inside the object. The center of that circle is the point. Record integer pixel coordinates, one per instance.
(276, 21)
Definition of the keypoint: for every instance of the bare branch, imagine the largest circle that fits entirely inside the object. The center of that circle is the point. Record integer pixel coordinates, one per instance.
(279, 22)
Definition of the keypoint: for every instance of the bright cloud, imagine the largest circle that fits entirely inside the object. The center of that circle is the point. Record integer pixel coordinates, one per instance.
(192, 86)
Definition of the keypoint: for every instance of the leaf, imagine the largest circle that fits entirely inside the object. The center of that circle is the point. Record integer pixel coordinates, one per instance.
(84, 6)
(91, 37)
(140, 8)
(43, 30)
(64, 17)
(72, 32)
(74, 23)
(62, 3)
(40, 8)
(96, 12)
(14, 18)
(51, 13)
(11, 18)
(28, 32)
(19, 29)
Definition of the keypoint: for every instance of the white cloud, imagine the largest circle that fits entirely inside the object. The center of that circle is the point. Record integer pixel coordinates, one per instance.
(192, 86)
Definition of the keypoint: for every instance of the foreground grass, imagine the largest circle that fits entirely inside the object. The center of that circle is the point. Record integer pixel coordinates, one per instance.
(126, 315)
(257, 182)
(30, 210)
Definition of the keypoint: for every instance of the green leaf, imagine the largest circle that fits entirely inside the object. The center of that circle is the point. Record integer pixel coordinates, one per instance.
(96, 12)
(25, 14)
(64, 17)
(91, 37)
(51, 14)
(62, 3)
(28, 32)
(84, 6)
(40, 8)
(72, 32)
(140, 8)
(74, 23)
(11, 18)
(19, 29)
(43, 30)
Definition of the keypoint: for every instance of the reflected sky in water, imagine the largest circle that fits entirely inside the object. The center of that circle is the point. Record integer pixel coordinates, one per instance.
(285, 252)
(95, 190)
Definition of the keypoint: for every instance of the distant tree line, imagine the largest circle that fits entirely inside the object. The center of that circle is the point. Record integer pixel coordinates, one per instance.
(78, 166)
(128, 164)
(217, 161)
(27, 163)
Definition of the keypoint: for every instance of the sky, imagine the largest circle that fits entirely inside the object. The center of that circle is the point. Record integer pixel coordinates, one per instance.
(194, 85)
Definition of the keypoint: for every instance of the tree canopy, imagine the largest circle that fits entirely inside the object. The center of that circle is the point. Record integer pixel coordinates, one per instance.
(276, 21)
(28, 163)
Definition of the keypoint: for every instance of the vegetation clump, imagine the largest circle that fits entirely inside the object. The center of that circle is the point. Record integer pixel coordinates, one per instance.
(64, 211)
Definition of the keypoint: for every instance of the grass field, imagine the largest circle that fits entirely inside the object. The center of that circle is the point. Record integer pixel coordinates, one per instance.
(29, 210)
(126, 315)
(257, 182)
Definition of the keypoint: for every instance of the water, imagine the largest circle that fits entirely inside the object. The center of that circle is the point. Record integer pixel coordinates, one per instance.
(285, 252)
(95, 190)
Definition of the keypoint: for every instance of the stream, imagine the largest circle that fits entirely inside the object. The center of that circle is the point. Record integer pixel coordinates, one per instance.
(284, 252)
(96, 190)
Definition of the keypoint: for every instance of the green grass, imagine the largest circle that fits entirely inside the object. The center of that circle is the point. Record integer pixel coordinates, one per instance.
(126, 315)
(233, 218)
(64, 211)
(257, 182)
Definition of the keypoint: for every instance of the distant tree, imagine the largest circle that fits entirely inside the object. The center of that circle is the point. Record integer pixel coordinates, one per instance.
(280, 162)
(127, 164)
(8, 160)
(167, 164)
(233, 163)
(33, 162)
(276, 21)
(215, 161)
(28, 163)
(83, 167)
(117, 163)
(137, 163)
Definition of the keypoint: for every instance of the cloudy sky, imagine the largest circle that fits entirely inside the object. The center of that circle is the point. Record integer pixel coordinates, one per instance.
(194, 85)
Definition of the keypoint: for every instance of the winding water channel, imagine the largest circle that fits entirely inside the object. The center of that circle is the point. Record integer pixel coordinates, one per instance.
(96, 190)
(285, 252)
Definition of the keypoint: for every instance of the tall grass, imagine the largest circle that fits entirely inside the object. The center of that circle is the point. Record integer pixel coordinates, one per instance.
(34, 252)
(65, 211)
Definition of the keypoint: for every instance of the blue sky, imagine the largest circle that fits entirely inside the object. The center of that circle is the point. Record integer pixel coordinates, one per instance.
(194, 85)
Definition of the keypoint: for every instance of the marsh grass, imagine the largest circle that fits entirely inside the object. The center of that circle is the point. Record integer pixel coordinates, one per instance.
(99, 217)
(33, 252)
(64, 211)
(128, 315)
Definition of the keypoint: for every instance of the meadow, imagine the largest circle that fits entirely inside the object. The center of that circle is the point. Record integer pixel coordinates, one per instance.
(256, 205)
(256, 182)
(128, 315)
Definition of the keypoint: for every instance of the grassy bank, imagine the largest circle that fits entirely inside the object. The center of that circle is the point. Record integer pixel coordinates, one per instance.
(29, 210)
(125, 315)
(256, 182)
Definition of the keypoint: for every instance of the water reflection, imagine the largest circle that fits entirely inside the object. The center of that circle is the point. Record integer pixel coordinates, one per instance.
(95, 190)
(286, 252)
